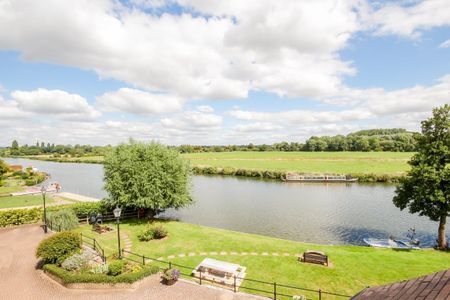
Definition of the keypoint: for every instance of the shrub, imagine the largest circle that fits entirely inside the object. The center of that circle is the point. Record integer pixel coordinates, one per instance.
(99, 269)
(58, 247)
(159, 232)
(68, 277)
(64, 219)
(83, 209)
(20, 216)
(152, 233)
(79, 261)
(30, 182)
(145, 235)
(115, 267)
(171, 274)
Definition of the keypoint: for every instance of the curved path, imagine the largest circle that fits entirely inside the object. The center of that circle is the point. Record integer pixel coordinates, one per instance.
(20, 280)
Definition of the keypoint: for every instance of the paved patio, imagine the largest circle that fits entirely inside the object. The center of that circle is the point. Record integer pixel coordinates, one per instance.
(20, 280)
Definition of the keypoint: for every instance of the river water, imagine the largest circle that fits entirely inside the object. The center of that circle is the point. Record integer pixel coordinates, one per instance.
(333, 213)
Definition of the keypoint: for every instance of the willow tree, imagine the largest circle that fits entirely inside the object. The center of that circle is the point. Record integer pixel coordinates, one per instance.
(426, 188)
(150, 176)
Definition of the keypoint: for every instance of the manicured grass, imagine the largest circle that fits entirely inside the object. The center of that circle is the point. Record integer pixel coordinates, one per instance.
(307, 162)
(19, 201)
(6, 190)
(353, 267)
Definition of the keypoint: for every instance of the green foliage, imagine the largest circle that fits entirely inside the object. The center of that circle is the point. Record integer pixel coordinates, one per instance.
(20, 216)
(78, 261)
(69, 277)
(64, 219)
(30, 182)
(151, 176)
(84, 209)
(152, 233)
(115, 267)
(426, 188)
(58, 247)
(3, 168)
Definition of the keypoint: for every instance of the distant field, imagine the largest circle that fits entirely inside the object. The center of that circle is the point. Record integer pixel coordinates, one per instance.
(308, 162)
(391, 163)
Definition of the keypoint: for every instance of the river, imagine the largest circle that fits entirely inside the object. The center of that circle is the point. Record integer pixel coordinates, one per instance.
(333, 213)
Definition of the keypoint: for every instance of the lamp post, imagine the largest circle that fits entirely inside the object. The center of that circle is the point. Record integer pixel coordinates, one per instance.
(43, 191)
(117, 211)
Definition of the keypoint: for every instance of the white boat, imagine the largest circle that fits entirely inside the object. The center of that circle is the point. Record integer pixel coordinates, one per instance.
(390, 243)
(319, 178)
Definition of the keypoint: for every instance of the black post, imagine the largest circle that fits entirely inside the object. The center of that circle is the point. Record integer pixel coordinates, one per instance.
(118, 238)
(320, 294)
(234, 286)
(170, 265)
(143, 260)
(103, 255)
(274, 291)
(200, 276)
(45, 214)
(94, 245)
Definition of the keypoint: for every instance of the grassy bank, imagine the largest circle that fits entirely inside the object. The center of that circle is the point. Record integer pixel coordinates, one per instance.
(366, 166)
(22, 201)
(353, 267)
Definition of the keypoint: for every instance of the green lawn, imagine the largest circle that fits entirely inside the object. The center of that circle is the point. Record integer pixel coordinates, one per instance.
(307, 162)
(353, 267)
(26, 200)
(6, 190)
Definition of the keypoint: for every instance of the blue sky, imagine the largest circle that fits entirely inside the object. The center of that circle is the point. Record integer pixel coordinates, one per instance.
(215, 72)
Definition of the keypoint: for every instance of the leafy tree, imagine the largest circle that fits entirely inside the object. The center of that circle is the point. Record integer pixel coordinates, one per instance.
(15, 145)
(150, 176)
(426, 189)
(3, 168)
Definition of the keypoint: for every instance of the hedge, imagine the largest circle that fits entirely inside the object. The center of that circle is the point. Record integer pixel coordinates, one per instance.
(69, 277)
(59, 246)
(267, 174)
(20, 216)
(83, 209)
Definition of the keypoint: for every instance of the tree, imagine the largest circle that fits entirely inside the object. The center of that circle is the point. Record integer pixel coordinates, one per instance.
(426, 188)
(15, 145)
(150, 176)
(3, 168)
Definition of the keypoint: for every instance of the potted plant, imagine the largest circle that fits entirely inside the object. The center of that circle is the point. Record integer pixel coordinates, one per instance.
(170, 276)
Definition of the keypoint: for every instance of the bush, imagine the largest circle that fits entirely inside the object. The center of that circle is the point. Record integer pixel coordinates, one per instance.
(83, 209)
(20, 216)
(30, 182)
(64, 219)
(152, 233)
(58, 247)
(171, 274)
(68, 277)
(79, 261)
(115, 267)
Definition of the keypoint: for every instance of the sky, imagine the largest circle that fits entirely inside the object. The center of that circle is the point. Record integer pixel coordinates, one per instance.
(216, 72)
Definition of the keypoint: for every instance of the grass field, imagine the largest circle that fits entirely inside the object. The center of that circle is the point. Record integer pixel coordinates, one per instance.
(353, 267)
(26, 200)
(308, 162)
(6, 190)
(391, 163)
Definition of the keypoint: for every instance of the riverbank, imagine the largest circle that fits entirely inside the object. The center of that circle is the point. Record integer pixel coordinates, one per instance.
(365, 166)
(276, 260)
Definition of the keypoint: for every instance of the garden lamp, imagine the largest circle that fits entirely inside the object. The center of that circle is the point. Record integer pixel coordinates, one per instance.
(117, 211)
(43, 191)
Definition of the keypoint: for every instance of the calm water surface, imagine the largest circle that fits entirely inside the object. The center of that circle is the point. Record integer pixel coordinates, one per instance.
(309, 212)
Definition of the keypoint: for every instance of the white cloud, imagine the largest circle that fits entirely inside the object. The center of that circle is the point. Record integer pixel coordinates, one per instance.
(193, 120)
(10, 111)
(54, 102)
(205, 109)
(257, 127)
(410, 20)
(445, 44)
(139, 102)
(256, 46)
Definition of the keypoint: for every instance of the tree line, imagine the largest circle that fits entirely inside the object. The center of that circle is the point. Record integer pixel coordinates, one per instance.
(395, 139)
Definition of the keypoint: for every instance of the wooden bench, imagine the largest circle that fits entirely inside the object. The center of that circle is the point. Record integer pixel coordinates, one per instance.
(314, 257)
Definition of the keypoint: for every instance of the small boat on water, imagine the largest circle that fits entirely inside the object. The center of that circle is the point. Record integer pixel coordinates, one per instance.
(393, 243)
(319, 178)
